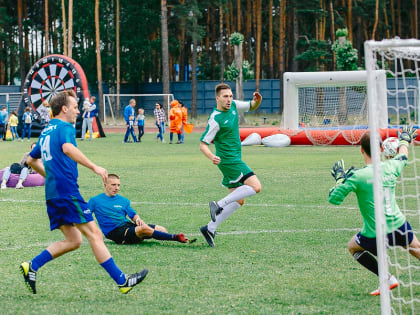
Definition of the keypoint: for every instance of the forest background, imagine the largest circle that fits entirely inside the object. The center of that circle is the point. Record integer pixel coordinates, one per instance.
(130, 42)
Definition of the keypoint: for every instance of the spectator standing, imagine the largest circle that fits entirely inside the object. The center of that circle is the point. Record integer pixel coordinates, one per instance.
(89, 110)
(1, 128)
(27, 119)
(140, 123)
(130, 129)
(44, 113)
(160, 121)
(5, 117)
(175, 117)
(184, 120)
(13, 122)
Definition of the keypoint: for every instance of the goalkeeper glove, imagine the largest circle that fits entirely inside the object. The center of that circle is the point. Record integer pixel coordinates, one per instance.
(407, 135)
(338, 172)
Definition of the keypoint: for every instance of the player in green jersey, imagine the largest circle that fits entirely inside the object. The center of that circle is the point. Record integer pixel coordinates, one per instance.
(223, 130)
(399, 232)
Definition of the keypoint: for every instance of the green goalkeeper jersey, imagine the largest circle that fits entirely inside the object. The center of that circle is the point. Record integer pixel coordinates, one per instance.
(361, 182)
(223, 130)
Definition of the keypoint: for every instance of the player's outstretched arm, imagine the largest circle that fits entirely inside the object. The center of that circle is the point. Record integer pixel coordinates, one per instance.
(36, 164)
(407, 135)
(76, 155)
(204, 147)
(256, 101)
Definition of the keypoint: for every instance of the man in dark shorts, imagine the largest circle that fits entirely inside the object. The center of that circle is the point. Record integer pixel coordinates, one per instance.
(120, 223)
(55, 156)
(362, 246)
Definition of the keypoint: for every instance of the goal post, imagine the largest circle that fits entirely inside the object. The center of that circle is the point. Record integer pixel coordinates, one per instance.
(329, 98)
(145, 101)
(399, 58)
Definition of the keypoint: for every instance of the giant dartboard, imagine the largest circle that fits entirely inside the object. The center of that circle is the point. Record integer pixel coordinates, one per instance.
(51, 75)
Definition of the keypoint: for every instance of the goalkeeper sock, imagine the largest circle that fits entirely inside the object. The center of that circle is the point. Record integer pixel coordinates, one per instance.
(162, 236)
(367, 260)
(41, 260)
(227, 211)
(113, 270)
(238, 194)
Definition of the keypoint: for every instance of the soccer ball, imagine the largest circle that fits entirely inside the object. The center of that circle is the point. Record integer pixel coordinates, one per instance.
(390, 147)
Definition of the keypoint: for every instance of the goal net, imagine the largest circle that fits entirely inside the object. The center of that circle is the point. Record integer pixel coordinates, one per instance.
(114, 104)
(400, 60)
(326, 105)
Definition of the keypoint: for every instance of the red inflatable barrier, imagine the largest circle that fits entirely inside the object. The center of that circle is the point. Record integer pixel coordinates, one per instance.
(317, 137)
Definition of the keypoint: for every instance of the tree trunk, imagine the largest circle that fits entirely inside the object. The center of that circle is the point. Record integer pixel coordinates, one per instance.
(213, 43)
(388, 34)
(258, 46)
(98, 53)
(238, 14)
(415, 23)
(375, 25)
(63, 13)
(248, 33)
(21, 48)
(238, 65)
(399, 17)
(282, 35)
(25, 14)
(182, 54)
(222, 62)
(333, 29)
(117, 48)
(194, 78)
(270, 40)
(47, 37)
(165, 53)
(295, 40)
(2, 66)
(349, 20)
(70, 33)
(392, 5)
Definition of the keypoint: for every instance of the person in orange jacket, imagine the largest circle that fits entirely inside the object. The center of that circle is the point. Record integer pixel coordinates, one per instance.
(175, 117)
(184, 120)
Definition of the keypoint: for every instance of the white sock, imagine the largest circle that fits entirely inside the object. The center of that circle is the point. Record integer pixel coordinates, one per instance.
(227, 211)
(239, 193)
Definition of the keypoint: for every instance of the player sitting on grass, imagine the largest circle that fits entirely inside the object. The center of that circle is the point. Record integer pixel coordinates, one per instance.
(111, 211)
(399, 232)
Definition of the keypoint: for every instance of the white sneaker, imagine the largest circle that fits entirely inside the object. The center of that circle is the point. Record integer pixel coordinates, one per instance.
(393, 283)
(3, 186)
(19, 186)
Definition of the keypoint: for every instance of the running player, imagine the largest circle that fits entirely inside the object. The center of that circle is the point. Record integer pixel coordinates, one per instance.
(65, 206)
(399, 232)
(223, 130)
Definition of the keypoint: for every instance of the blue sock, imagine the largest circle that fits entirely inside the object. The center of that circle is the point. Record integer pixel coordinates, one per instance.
(114, 271)
(158, 235)
(41, 260)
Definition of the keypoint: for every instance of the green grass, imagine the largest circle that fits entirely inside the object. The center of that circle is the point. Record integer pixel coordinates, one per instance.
(288, 256)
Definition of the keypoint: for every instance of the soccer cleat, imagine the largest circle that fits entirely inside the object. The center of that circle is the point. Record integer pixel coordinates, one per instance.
(214, 210)
(181, 238)
(132, 281)
(209, 236)
(393, 283)
(29, 276)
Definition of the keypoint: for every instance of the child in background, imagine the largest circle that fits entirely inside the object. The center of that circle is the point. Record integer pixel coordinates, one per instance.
(27, 119)
(130, 129)
(140, 123)
(13, 122)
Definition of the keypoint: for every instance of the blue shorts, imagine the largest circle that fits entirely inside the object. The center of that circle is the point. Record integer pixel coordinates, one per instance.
(402, 236)
(67, 211)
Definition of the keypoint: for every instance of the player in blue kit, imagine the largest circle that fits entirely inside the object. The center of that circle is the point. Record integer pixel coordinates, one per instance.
(120, 223)
(55, 156)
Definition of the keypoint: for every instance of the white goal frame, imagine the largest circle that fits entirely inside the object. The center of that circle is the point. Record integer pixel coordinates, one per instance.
(373, 97)
(293, 80)
(169, 97)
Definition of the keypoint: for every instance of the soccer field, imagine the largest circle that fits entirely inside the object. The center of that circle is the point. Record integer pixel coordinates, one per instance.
(283, 252)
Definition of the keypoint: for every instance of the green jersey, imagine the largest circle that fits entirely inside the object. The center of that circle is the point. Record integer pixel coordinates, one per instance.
(361, 182)
(223, 130)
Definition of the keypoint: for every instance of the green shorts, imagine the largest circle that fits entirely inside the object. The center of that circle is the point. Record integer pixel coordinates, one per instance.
(234, 174)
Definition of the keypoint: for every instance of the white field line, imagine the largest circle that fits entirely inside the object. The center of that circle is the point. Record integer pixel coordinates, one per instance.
(45, 244)
(206, 204)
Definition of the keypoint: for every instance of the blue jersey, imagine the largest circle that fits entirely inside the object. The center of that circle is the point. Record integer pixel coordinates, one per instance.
(60, 170)
(128, 111)
(111, 212)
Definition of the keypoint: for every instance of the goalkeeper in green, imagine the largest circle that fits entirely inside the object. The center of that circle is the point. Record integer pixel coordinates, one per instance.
(362, 246)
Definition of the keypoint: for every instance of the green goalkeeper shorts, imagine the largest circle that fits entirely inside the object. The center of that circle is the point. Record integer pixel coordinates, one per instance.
(234, 174)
